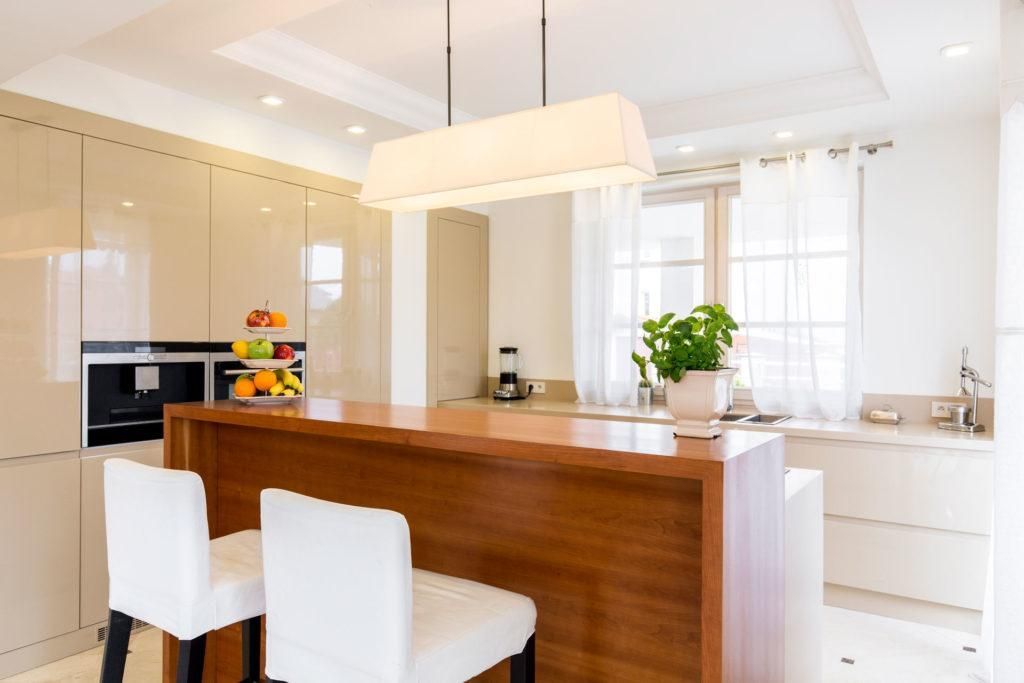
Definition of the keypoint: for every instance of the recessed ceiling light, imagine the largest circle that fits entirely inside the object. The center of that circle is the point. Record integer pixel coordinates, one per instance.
(310, 203)
(955, 50)
(127, 204)
(783, 134)
(265, 209)
(356, 129)
(686, 149)
(272, 100)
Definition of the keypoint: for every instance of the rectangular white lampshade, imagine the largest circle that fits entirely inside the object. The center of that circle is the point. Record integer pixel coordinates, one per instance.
(593, 142)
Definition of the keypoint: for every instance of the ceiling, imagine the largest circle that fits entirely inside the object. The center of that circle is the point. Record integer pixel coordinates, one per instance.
(722, 76)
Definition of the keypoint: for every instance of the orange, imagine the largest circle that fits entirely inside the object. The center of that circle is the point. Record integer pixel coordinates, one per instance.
(244, 386)
(278, 319)
(265, 379)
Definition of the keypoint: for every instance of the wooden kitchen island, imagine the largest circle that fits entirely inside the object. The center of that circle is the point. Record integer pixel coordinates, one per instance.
(649, 558)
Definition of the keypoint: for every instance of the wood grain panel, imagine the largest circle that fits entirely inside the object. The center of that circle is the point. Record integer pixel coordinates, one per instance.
(649, 558)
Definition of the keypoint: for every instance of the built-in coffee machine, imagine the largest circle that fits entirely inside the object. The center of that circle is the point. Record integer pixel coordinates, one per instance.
(510, 363)
(126, 384)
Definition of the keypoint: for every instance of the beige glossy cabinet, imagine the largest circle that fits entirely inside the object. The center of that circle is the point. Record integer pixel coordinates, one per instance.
(40, 281)
(346, 321)
(258, 252)
(146, 262)
(94, 534)
(39, 569)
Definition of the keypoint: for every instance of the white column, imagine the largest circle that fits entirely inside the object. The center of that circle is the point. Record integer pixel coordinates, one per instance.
(1008, 532)
(409, 308)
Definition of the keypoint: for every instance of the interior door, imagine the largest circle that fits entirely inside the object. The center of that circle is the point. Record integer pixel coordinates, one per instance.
(459, 304)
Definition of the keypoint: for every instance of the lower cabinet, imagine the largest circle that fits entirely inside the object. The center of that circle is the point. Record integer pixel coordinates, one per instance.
(94, 537)
(908, 523)
(39, 535)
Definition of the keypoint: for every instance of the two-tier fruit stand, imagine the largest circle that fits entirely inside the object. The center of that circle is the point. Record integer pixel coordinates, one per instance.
(268, 364)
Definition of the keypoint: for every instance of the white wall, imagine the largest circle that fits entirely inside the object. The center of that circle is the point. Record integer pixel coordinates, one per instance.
(530, 287)
(97, 89)
(929, 256)
(409, 308)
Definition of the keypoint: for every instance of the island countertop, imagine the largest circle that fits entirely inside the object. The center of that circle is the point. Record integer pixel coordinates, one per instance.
(649, 557)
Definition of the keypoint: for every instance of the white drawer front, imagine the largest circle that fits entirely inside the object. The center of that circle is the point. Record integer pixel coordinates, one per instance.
(938, 566)
(925, 487)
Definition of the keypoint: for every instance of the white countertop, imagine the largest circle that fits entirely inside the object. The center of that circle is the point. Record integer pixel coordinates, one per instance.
(906, 434)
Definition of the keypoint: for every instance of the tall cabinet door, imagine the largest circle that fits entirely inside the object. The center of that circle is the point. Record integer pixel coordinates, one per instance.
(258, 253)
(40, 278)
(146, 261)
(346, 320)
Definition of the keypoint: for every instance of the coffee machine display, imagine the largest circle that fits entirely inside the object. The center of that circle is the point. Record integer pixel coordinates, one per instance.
(510, 362)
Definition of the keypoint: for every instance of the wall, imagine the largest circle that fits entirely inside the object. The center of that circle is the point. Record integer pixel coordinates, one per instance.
(82, 85)
(530, 287)
(409, 308)
(929, 255)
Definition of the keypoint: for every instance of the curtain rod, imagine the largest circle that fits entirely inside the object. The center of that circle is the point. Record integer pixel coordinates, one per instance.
(832, 153)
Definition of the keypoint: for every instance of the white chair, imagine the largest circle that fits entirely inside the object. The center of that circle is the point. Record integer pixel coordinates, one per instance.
(345, 604)
(165, 570)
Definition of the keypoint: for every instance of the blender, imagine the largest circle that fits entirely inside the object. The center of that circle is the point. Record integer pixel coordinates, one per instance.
(510, 363)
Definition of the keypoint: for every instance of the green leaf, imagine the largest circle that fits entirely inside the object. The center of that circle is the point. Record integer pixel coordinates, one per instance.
(649, 343)
(727, 337)
(729, 322)
(705, 309)
(664, 320)
(650, 326)
(676, 374)
(719, 308)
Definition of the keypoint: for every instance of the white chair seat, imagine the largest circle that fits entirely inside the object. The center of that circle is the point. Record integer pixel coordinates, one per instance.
(236, 577)
(461, 628)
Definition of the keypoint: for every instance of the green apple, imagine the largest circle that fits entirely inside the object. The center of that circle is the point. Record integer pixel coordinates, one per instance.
(261, 349)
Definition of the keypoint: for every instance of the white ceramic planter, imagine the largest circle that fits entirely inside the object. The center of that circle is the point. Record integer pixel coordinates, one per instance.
(698, 401)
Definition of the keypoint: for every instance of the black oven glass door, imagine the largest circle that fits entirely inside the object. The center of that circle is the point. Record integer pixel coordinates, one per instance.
(120, 412)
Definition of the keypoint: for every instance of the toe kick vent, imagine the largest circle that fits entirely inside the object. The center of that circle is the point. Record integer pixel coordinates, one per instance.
(101, 632)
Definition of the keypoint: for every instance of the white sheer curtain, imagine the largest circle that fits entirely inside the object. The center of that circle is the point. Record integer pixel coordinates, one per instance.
(798, 247)
(605, 229)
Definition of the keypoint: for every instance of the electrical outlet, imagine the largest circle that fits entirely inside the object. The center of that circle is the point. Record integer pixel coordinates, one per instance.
(941, 408)
(538, 387)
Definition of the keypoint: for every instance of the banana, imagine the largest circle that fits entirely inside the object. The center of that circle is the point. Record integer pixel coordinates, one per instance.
(276, 389)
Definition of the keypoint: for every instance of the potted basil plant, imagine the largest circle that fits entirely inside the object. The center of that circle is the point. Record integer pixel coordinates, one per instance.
(645, 392)
(689, 353)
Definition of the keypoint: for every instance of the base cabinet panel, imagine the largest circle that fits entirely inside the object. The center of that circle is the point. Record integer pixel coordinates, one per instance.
(924, 564)
(39, 536)
(94, 536)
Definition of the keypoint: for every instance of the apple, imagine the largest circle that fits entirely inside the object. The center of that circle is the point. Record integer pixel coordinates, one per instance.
(259, 317)
(284, 352)
(261, 349)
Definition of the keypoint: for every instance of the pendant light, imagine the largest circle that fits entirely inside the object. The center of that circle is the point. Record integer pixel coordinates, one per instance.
(592, 142)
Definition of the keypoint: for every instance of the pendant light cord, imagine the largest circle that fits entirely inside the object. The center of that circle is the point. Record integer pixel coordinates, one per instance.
(543, 54)
(448, 21)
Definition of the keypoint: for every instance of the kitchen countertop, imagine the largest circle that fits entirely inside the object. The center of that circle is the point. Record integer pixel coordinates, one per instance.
(906, 434)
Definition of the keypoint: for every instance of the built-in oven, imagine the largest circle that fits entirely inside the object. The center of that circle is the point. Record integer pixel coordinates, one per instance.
(126, 384)
(225, 368)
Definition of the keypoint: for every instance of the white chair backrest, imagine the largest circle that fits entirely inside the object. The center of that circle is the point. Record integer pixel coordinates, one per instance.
(158, 546)
(339, 591)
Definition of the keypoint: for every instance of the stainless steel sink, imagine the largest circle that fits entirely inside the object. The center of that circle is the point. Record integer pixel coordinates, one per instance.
(756, 418)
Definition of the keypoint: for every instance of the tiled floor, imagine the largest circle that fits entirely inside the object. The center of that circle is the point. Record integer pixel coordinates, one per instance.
(882, 650)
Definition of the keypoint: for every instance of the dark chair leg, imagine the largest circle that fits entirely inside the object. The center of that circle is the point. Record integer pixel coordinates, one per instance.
(190, 660)
(115, 650)
(523, 665)
(251, 650)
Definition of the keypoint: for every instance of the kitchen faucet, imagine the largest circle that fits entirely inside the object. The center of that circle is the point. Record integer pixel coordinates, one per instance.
(969, 424)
